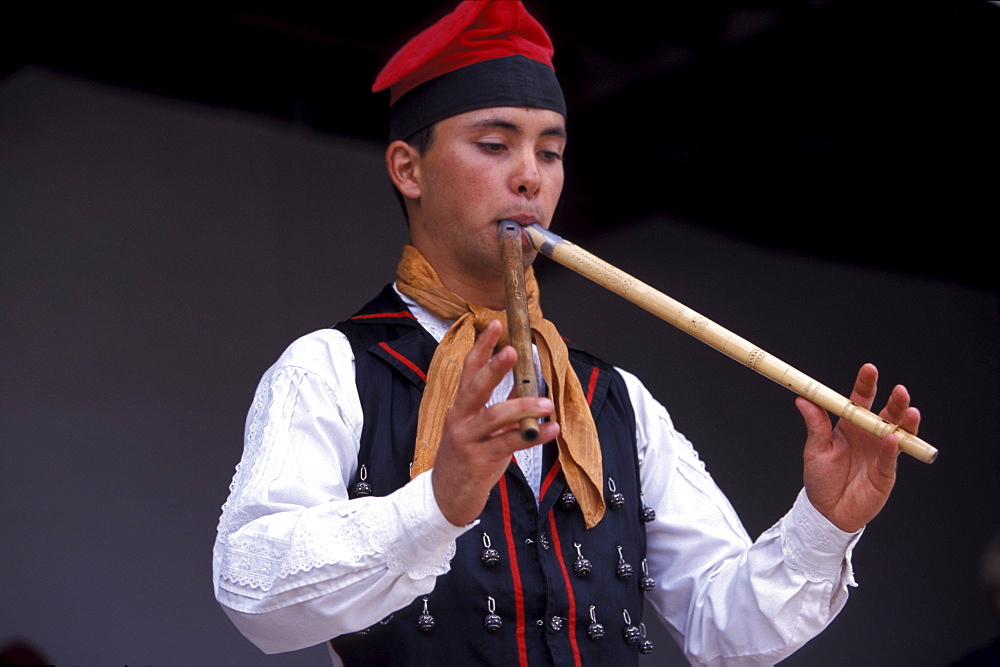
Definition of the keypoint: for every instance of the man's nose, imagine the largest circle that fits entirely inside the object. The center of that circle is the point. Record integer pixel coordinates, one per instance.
(526, 178)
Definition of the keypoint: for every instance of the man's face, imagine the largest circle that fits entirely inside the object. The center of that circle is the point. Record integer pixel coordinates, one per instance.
(483, 166)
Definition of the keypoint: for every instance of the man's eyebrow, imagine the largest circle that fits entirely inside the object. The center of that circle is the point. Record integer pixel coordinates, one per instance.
(497, 123)
(502, 124)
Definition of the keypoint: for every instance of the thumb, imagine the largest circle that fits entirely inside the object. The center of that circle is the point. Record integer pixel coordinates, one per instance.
(819, 430)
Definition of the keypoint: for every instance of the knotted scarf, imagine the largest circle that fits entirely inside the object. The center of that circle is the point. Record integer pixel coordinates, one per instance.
(579, 449)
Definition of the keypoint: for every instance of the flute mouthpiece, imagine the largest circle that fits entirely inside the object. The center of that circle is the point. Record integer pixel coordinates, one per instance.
(509, 226)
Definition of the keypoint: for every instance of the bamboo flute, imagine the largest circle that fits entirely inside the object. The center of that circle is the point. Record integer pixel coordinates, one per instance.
(518, 324)
(608, 276)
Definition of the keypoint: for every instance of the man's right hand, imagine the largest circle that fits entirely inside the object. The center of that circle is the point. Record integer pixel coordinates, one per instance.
(477, 442)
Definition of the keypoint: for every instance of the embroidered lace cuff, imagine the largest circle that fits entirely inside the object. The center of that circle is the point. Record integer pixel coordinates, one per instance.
(814, 546)
(428, 538)
(404, 531)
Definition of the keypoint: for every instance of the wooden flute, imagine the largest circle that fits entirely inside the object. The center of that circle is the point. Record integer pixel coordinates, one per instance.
(608, 276)
(518, 324)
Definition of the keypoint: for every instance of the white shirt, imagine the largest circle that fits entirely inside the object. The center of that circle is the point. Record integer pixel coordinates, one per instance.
(296, 562)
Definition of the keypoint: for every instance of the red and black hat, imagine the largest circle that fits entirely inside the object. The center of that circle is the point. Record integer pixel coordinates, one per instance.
(485, 53)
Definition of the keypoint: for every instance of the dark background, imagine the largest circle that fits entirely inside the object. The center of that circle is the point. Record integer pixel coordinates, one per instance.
(186, 189)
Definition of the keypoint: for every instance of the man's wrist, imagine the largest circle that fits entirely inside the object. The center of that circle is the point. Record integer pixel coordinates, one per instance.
(437, 524)
(812, 543)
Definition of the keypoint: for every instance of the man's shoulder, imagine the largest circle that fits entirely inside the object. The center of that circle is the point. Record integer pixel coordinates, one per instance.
(594, 367)
(585, 361)
(316, 351)
(386, 305)
(383, 318)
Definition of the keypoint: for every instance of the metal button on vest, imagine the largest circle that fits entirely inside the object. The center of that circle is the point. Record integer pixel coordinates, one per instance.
(556, 623)
(543, 539)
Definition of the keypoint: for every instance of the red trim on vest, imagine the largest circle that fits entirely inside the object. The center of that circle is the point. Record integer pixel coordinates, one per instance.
(553, 471)
(571, 599)
(594, 374)
(522, 645)
(373, 315)
(409, 364)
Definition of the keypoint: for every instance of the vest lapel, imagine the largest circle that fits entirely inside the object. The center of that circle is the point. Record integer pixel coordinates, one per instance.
(410, 355)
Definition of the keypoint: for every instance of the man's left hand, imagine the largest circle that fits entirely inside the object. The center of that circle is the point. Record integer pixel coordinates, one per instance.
(849, 472)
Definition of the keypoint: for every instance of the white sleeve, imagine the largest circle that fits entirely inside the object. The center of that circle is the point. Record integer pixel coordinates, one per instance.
(725, 599)
(295, 561)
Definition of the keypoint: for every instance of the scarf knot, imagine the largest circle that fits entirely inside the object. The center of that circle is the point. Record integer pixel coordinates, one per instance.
(579, 448)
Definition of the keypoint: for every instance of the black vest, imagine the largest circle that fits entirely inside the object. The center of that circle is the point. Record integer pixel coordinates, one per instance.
(550, 573)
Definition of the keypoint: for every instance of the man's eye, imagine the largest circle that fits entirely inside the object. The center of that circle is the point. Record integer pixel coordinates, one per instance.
(491, 146)
(551, 156)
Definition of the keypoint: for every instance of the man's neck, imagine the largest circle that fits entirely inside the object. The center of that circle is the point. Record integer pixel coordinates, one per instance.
(490, 294)
(481, 285)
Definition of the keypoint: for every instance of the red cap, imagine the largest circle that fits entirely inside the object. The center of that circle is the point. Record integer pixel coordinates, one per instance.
(499, 39)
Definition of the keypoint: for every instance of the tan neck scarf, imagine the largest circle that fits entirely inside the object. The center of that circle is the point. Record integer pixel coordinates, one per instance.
(579, 449)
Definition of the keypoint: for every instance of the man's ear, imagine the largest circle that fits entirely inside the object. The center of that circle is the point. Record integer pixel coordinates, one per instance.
(403, 164)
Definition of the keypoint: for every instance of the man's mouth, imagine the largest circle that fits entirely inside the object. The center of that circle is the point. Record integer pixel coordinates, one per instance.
(524, 219)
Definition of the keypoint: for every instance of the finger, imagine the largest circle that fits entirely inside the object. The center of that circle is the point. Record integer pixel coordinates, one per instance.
(480, 384)
(511, 440)
(888, 456)
(482, 370)
(911, 420)
(898, 411)
(482, 349)
(865, 386)
(502, 417)
(818, 426)
(514, 409)
(897, 405)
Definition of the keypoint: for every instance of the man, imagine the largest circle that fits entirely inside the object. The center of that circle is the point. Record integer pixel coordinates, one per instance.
(377, 504)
